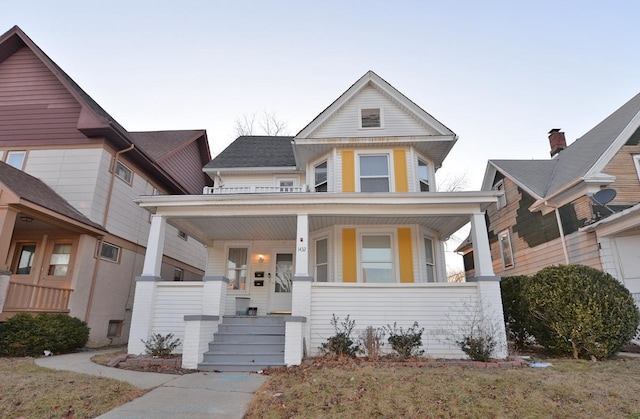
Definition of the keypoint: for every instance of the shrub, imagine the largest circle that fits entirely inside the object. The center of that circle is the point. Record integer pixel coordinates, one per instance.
(371, 339)
(580, 311)
(406, 343)
(27, 335)
(161, 346)
(516, 313)
(341, 343)
(478, 348)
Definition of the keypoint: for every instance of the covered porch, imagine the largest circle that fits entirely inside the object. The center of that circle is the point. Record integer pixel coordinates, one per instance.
(376, 257)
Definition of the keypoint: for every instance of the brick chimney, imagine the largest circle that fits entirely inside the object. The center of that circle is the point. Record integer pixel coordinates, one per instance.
(557, 141)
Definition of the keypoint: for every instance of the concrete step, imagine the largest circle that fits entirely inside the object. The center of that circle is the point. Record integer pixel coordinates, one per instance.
(254, 320)
(251, 329)
(235, 367)
(245, 348)
(262, 358)
(231, 337)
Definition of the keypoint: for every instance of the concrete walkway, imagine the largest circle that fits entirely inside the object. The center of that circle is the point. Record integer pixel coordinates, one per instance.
(199, 395)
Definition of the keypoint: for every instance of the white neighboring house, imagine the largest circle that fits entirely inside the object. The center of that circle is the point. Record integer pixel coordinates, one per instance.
(341, 219)
(72, 239)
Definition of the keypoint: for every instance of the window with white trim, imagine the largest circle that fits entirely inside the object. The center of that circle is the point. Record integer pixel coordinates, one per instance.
(370, 118)
(504, 239)
(237, 267)
(320, 177)
(636, 160)
(429, 260)
(286, 185)
(502, 199)
(110, 252)
(423, 175)
(374, 173)
(16, 159)
(376, 258)
(123, 172)
(322, 260)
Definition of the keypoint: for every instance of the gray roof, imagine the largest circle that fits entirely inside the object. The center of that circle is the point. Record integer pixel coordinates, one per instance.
(545, 177)
(255, 152)
(160, 143)
(36, 191)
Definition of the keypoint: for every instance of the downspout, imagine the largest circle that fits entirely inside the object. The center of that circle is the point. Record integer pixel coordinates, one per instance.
(562, 239)
(96, 266)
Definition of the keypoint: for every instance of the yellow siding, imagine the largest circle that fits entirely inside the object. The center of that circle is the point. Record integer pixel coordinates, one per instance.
(405, 251)
(400, 171)
(348, 175)
(349, 263)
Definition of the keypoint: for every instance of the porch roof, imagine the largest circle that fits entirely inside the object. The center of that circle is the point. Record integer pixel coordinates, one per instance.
(273, 216)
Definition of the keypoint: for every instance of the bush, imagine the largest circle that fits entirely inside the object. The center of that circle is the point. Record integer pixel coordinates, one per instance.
(580, 311)
(341, 343)
(406, 343)
(516, 312)
(478, 348)
(27, 335)
(371, 339)
(161, 346)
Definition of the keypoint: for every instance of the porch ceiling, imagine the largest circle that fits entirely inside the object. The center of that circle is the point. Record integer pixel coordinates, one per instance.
(209, 229)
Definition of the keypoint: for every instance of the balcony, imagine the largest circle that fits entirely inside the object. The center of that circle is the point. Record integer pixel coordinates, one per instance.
(36, 298)
(215, 190)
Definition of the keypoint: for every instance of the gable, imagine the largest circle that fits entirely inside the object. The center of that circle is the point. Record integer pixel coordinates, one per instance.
(396, 121)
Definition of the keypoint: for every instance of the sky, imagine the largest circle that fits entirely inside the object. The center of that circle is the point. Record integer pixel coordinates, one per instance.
(500, 74)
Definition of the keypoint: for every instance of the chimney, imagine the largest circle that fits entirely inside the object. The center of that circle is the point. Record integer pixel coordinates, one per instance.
(557, 141)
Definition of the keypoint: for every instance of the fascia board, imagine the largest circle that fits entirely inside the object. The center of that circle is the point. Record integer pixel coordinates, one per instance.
(615, 146)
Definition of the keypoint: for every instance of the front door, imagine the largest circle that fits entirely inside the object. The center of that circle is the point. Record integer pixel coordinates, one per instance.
(281, 284)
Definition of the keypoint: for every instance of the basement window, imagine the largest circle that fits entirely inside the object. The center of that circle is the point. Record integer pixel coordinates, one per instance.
(115, 329)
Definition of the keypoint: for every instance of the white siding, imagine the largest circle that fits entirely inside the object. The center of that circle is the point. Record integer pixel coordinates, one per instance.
(189, 251)
(444, 310)
(396, 120)
(174, 300)
(231, 181)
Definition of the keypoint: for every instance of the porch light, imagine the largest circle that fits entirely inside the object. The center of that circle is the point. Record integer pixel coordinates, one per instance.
(260, 258)
(26, 219)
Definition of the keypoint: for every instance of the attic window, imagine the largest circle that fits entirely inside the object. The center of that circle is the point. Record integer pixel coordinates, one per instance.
(370, 118)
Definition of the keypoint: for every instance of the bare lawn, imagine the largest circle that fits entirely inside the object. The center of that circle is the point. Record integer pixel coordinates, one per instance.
(339, 389)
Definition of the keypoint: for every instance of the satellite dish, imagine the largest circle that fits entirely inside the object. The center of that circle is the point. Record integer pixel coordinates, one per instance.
(603, 197)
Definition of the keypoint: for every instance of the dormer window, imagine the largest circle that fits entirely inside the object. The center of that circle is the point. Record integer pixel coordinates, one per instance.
(370, 118)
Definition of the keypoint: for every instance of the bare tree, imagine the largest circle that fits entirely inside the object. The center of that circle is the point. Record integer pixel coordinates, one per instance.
(455, 182)
(269, 124)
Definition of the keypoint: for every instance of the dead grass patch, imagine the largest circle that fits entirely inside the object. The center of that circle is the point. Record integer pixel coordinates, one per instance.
(568, 389)
(30, 391)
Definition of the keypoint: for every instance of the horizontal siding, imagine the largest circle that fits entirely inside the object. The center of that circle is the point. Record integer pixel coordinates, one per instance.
(443, 310)
(186, 167)
(627, 183)
(268, 180)
(396, 120)
(35, 108)
(173, 301)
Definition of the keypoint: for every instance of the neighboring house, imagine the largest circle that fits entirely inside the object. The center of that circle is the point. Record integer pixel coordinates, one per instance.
(71, 238)
(552, 210)
(341, 219)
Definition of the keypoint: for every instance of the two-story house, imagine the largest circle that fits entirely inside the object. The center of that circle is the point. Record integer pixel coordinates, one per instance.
(72, 239)
(582, 206)
(342, 218)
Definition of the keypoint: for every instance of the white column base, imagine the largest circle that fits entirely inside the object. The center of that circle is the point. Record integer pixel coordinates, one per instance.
(198, 331)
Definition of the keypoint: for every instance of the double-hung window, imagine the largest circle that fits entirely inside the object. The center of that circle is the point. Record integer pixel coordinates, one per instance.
(423, 176)
(237, 268)
(374, 173)
(321, 180)
(429, 260)
(376, 258)
(60, 259)
(322, 260)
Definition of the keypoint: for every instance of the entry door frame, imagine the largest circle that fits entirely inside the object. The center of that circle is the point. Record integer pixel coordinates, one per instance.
(277, 301)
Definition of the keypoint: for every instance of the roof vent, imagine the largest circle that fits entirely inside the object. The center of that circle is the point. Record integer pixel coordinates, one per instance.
(557, 141)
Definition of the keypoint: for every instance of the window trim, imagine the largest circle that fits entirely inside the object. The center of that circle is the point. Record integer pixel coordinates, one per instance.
(247, 264)
(636, 161)
(380, 110)
(393, 234)
(294, 183)
(180, 272)
(426, 263)
(183, 235)
(118, 328)
(326, 181)
(390, 168)
(502, 200)
(8, 153)
(117, 260)
(428, 183)
(69, 264)
(315, 259)
(19, 246)
(127, 168)
(506, 234)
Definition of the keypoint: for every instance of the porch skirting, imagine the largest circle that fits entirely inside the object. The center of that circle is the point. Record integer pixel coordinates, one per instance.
(447, 311)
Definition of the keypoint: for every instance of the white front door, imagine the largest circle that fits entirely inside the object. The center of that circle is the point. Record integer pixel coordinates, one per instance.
(281, 284)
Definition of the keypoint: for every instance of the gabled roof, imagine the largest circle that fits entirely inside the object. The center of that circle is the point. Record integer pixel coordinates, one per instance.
(162, 144)
(37, 192)
(584, 159)
(255, 152)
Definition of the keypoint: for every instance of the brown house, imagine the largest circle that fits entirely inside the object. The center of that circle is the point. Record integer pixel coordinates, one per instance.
(579, 207)
(71, 238)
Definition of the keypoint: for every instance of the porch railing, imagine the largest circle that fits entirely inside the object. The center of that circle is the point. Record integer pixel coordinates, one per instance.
(36, 298)
(215, 190)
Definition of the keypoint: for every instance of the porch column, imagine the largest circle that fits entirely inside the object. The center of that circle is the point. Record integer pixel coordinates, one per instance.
(155, 246)
(300, 298)
(7, 223)
(4, 287)
(481, 248)
(142, 315)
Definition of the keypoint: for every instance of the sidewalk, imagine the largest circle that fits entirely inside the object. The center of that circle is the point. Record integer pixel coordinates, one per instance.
(199, 395)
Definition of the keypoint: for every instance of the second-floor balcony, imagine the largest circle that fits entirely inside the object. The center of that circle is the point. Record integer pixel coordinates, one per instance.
(224, 190)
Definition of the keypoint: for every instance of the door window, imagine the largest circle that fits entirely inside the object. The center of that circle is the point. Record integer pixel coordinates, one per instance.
(284, 272)
(24, 259)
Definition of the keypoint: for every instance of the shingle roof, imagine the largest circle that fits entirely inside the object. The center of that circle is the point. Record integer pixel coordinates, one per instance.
(158, 144)
(255, 152)
(34, 190)
(545, 177)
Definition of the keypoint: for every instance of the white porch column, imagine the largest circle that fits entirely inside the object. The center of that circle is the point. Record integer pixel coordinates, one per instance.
(4, 287)
(302, 246)
(7, 224)
(492, 314)
(155, 246)
(481, 248)
(142, 315)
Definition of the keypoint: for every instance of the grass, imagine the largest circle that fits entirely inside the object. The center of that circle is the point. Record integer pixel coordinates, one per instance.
(29, 391)
(568, 389)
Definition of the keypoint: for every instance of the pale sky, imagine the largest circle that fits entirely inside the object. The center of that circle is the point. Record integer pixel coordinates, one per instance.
(500, 74)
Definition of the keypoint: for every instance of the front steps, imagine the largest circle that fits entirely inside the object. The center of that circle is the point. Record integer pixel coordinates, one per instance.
(246, 343)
